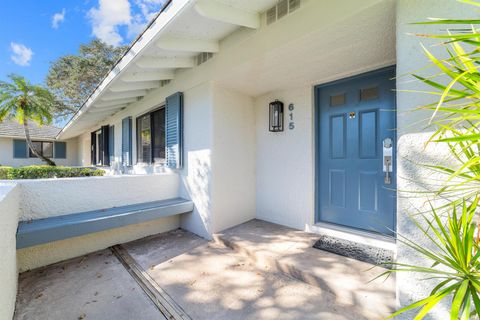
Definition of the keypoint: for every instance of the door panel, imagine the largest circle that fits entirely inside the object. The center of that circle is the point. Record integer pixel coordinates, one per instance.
(355, 116)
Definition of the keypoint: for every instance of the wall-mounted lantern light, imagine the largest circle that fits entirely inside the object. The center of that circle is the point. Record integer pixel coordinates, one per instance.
(276, 116)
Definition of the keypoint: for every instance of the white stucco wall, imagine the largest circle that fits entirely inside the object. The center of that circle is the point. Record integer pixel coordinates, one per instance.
(7, 159)
(233, 163)
(45, 254)
(219, 167)
(9, 211)
(285, 170)
(411, 139)
(83, 146)
(196, 173)
(54, 197)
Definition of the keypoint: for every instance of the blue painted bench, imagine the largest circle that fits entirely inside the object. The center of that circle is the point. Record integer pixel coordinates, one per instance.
(31, 233)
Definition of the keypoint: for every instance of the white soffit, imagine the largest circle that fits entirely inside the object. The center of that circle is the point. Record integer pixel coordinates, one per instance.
(178, 34)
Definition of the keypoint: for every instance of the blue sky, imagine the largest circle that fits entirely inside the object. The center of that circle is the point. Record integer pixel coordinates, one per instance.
(35, 33)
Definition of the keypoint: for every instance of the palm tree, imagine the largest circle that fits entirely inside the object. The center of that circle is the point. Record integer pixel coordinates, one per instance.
(24, 102)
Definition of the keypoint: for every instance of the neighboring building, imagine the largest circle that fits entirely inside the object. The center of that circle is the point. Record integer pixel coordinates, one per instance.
(192, 97)
(15, 152)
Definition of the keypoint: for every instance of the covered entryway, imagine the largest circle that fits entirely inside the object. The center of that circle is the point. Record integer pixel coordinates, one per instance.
(356, 151)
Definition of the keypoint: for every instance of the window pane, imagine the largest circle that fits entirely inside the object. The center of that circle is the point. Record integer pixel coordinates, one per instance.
(99, 148)
(47, 149)
(338, 100)
(38, 147)
(158, 126)
(144, 138)
(369, 94)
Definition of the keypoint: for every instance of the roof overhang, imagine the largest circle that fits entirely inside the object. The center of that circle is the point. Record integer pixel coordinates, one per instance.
(33, 138)
(175, 37)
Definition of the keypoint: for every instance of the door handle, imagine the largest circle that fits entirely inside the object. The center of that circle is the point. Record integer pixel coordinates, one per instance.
(388, 165)
(387, 160)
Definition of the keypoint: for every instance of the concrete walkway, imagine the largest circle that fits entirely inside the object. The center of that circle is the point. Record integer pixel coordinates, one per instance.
(209, 280)
(290, 251)
(95, 286)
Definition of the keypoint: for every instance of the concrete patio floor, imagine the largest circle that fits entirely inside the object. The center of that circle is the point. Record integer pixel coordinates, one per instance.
(254, 276)
(291, 252)
(95, 286)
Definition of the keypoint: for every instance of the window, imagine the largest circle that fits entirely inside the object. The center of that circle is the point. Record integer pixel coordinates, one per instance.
(44, 148)
(151, 137)
(127, 141)
(369, 94)
(338, 100)
(99, 143)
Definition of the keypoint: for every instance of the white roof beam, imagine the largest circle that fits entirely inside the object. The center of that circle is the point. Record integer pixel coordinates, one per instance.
(165, 63)
(97, 116)
(187, 44)
(113, 103)
(148, 76)
(98, 110)
(222, 12)
(123, 95)
(141, 85)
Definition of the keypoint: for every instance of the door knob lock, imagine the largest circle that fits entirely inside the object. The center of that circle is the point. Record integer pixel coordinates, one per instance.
(387, 160)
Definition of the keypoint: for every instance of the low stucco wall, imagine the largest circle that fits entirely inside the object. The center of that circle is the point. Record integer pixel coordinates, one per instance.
(45, 254)
(56, 197)
(9, 199)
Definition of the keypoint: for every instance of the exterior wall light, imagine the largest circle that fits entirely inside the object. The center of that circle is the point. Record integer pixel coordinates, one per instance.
(276, 116)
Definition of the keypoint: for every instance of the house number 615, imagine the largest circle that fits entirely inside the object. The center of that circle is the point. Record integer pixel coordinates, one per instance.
(291, 124)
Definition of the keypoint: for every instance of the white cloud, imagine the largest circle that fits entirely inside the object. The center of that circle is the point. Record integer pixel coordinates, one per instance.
(58, 18)
(148, 9)
(21, 54)
(108, 17)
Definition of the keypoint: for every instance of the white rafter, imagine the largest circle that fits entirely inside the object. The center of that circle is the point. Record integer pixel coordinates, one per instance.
(222, 12)
(148, 76)
(113, 103)
(123, 95)
(187, 44)
(165, 63)
(105, 109)
(123, 86)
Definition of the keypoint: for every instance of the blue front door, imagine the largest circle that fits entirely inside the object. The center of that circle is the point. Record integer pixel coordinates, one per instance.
(356, 117)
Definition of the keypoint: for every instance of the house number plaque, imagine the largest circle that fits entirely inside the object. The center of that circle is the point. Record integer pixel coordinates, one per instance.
(291, 124)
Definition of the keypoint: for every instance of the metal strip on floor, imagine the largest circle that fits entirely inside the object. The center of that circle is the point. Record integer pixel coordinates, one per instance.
(165, 304)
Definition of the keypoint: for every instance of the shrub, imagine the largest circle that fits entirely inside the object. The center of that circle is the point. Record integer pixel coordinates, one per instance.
(5, 173)
(47, 172)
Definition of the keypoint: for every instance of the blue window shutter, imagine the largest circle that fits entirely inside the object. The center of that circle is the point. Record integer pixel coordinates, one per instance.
(93, 148)
(20, 149)
(174, 130)
(111, 143)
(105, 150)
(60, 149)
(127, 141)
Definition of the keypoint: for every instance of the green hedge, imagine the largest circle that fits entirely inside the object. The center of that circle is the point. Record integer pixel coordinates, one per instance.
(46, 172)
(5, 173)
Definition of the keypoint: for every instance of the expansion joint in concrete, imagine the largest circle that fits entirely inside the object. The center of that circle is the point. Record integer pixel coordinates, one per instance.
(164, 303)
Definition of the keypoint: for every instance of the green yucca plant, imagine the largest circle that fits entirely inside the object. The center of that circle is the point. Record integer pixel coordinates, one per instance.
(455, 260)
(456, 113)
(451, 228)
